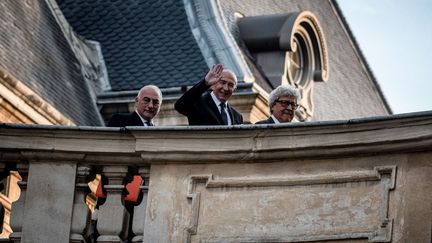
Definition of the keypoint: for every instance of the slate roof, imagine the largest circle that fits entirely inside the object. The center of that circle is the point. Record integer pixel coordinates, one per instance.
(143, 42)
(34, 50)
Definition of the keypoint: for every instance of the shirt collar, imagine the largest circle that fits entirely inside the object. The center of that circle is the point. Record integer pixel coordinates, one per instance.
(144, 121)
(215, 99)
(275, 120)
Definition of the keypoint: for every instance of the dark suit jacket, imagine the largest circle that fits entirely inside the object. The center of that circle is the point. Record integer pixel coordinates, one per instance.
(266, 121)
(123, 120)
(200, 109)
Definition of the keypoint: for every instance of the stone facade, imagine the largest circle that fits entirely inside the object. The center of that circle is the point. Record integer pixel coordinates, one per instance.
(68, 71)
(350, 81)
(364, 180)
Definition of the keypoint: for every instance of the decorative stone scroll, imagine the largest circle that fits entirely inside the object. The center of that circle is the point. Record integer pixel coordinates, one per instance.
(331, 206)
(290, 49)
(307, 47)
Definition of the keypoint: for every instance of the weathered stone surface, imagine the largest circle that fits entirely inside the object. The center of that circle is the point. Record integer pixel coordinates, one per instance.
(362, 180)
(280, 202)
(49, 201)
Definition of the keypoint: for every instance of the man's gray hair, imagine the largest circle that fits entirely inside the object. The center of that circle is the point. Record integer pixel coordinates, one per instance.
(154, 87)
(283, 90)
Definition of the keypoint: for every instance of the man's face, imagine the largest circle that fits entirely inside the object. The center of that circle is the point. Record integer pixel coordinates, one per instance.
(284, 107)
(225, 87)
(148, 103)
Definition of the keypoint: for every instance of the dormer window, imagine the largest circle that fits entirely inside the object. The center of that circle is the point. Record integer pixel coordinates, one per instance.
(295, 62)
(289, 48)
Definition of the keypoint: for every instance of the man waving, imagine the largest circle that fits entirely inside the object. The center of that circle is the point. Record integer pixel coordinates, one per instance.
(203, 107)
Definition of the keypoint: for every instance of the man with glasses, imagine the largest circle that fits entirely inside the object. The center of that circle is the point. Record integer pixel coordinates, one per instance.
(211, 108)
(147, 106)
(283, 101)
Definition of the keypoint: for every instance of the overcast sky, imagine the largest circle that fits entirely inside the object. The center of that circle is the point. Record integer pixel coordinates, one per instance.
(396, 38)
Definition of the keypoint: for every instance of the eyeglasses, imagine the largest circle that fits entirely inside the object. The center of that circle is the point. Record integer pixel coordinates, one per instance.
(286, 103)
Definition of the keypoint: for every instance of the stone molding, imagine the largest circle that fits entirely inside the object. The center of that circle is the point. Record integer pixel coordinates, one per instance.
(253, 183)
(296, 33)
(29, 103)
(258, 38)
(237, 144)
(384, 175)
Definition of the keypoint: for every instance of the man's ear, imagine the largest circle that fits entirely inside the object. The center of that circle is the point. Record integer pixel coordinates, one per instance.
(136, 99)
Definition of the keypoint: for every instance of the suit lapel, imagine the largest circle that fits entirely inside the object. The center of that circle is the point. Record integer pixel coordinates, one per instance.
(230, 112)
(213, 109)
(136, 120)
(271, 121)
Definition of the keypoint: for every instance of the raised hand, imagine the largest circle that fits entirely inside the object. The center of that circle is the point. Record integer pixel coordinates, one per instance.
(214, 74)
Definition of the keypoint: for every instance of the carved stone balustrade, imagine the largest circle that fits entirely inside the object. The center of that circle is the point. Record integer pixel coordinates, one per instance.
(365, 180)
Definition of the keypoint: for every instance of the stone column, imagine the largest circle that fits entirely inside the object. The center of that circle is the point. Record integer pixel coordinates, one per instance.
(17, 211)
(49, 202)
(5, 203)
(112, 222)
(3, 199)
(81, 213)
(10, 195)
(140, 210)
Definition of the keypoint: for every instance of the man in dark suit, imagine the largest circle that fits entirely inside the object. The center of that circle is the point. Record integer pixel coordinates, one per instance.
(147, 106)
(283, 101)
(211, 108)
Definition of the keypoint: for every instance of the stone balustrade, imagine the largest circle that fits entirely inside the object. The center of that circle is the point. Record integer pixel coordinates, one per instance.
(365, 180)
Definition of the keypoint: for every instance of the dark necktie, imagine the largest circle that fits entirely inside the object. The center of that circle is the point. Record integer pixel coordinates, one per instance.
(223, 114)
(148, 123)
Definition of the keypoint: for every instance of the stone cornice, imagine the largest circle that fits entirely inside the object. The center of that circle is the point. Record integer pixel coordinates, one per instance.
(28, 102)
(245, 143)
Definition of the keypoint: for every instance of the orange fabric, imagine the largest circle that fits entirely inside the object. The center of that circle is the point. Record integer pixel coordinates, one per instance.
(133, 189)
(99, 191)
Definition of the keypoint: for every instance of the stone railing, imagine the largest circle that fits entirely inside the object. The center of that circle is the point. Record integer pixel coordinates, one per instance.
(366, 180)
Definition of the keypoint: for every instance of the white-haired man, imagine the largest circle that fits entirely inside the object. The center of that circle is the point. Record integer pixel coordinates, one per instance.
(147, 106)
(283, 101)
(211, 108)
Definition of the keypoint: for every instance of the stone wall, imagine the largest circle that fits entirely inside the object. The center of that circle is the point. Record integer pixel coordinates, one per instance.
(351, 90)
(364, 180)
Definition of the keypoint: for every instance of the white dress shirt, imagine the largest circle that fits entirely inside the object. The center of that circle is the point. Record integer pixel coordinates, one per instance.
(217, 102)
(144, 121)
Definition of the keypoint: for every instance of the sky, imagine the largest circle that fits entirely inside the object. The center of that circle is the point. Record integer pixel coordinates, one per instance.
(395, 37)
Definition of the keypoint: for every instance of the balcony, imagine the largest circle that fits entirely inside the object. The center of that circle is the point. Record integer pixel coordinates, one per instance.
(366, 180)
